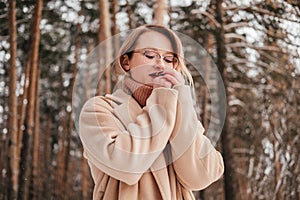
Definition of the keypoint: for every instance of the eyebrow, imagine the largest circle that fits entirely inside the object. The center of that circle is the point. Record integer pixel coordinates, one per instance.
(155, 49)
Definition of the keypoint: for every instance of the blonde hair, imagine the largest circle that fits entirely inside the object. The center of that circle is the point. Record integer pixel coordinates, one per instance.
(130, 43)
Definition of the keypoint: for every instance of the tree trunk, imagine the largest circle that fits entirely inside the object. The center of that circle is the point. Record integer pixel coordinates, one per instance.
(22, 108)
(61, 159)
(160, 11)
(85, 176)
(116, 41)
(105, 33)
(46, 170)
(115, 28)
(206, 97)
(36, 144)
(129, 13)
(2, 160)
(34, 66)
(231, 191)
(170, 10)
(30, 119)
(71, 115)
(13, 106)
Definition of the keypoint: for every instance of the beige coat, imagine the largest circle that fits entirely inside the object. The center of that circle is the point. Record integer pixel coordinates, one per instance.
(155, 152)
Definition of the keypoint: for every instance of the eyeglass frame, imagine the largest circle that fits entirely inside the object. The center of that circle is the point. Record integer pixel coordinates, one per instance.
(158, 56)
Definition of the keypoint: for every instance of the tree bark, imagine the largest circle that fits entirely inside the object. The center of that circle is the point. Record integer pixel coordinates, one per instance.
(129, 14)
(13, 106)
(206, 97)
(34, 66)
(30, 119)
(85, 176)
(160, 12)
(231, 192)
(36, 144)
(115, 28)
(105, 33)
(46, 169)
(71, 114)
(22, 108)
(116, 42)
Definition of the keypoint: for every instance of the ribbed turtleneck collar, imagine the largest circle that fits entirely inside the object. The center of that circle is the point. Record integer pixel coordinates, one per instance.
(139, 91)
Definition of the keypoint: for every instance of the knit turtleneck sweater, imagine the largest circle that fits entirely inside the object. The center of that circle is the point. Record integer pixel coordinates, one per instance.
(140, 92)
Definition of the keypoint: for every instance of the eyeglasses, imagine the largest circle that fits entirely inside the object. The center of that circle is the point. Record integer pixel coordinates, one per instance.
(151, 55)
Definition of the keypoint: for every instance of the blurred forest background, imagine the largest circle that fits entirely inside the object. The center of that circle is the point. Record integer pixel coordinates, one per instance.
(254, 43)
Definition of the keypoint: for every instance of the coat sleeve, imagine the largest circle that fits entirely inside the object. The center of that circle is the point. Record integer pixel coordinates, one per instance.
(126, 152)
(196, 162)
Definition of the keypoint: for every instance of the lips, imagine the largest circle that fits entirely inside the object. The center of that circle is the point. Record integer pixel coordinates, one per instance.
(157, 74)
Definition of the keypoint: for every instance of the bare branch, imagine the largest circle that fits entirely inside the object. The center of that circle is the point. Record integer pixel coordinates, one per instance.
(5, 37)
(236, 61)
(268, 56)
(255, 9)
(209, 16)
(263, 48)
(235, 36)
(269, 33)
(4, 15)
(227, 27)
(267, 12)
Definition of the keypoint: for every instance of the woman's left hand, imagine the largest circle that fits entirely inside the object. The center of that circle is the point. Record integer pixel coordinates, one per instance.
(170, 79)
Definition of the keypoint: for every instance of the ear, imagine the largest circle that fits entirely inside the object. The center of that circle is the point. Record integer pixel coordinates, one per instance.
(125, 63)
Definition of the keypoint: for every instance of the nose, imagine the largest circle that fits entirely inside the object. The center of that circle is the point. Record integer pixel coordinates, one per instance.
(159, 60)
(159, 64)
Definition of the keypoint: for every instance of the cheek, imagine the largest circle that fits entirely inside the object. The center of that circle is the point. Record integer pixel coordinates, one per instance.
(140, 74)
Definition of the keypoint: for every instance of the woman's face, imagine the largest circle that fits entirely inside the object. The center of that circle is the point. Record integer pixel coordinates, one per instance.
(153, 53)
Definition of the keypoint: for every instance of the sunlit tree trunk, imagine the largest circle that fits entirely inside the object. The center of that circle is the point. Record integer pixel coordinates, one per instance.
(115, 27)
(170, 10)
(205, 107)
(105, 33)
(13, 107)
(34, 67)
(160, 11)
(25, 179)
(116, 42)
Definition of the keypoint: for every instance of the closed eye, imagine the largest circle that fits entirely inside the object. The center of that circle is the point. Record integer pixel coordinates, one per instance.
(149, 56)
(169, 59)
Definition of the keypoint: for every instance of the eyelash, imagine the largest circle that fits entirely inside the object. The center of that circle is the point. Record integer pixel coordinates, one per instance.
(165, 59)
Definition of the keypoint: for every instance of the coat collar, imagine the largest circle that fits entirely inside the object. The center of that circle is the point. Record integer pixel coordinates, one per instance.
(124, 106)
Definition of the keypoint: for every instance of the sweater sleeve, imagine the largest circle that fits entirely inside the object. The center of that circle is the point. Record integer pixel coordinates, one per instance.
(196, 162)
(126, 151)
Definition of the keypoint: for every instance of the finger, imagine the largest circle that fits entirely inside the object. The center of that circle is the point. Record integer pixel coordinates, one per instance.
(171, 79)
(176, 74)
(161, 82)
(174, 79)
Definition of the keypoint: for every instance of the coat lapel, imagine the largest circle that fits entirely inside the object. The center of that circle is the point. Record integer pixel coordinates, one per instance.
(125, 107)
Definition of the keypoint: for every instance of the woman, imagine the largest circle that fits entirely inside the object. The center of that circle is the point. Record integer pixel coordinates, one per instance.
(144, 141)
